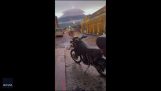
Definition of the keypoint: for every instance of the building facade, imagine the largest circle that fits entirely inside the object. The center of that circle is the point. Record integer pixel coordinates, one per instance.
(95, 23)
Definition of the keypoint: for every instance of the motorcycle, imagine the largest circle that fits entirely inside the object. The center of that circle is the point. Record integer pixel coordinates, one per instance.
(81, 53)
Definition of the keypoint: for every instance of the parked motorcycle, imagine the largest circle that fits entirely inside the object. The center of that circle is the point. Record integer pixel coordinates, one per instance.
(81, 53)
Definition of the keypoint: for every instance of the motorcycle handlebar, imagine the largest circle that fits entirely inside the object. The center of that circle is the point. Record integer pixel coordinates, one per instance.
(83, 37)
(75, 38)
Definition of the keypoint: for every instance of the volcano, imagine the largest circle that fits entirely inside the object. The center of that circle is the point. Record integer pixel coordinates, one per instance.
(70, 16)
(72, 12)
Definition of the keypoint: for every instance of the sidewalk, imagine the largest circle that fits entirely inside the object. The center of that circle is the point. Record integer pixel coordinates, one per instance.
(60, 80)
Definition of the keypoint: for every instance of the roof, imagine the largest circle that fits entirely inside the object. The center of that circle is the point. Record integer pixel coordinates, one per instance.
(100, 11)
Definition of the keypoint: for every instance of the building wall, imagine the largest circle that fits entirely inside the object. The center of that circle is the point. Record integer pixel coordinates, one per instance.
(94, 24)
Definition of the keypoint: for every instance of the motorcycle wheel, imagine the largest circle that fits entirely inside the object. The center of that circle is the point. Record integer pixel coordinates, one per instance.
(76, 58)
(101, 67)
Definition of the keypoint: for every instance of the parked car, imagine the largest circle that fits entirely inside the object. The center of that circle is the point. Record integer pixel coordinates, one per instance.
(59, 32)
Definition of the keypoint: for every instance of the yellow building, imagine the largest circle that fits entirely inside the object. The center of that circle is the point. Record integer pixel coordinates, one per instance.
(95, 23)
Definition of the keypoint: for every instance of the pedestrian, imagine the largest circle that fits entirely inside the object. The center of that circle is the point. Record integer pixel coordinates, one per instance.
(71, 35)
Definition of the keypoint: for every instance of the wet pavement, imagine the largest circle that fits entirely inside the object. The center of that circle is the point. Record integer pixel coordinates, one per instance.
(60, 79)
(78, 78)
(71, 76)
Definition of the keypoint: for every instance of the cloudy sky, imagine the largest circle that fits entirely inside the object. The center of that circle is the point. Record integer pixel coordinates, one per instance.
(88, 6)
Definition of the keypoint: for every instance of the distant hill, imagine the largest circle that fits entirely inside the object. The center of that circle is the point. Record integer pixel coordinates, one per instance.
(70, 18)
(63, 25)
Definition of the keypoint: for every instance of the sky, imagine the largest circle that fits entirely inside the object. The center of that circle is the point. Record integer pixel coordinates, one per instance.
(88, 7)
